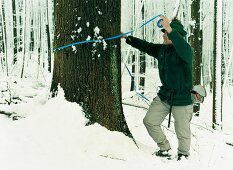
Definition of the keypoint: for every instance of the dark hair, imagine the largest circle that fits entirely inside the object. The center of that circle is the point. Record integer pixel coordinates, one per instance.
(176, 20)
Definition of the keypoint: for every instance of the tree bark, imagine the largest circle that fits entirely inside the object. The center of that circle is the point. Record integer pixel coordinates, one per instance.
(90, 73)
(196, 43)
(217, 66)
(14, 31)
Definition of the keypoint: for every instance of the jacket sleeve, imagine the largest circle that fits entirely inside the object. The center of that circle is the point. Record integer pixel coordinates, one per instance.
(183, 49)
(144, 46)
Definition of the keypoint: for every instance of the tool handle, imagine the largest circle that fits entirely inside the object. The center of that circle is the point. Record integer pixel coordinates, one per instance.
(159, 23)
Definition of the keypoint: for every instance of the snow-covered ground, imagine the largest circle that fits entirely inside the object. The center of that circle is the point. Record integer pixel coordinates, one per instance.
(52, 135)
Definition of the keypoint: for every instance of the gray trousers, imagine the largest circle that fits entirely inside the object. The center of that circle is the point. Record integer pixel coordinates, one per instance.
(182, 115)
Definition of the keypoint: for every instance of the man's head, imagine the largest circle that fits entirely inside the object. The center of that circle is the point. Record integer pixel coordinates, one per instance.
(176, 25)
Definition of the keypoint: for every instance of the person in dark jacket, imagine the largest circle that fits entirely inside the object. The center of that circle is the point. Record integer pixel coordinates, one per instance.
(175, 71)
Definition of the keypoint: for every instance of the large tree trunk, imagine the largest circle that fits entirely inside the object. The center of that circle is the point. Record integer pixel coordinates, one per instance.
(90, 73)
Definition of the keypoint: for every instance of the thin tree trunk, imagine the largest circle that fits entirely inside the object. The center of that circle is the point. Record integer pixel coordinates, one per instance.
(217, 72)
(39, 43)
(4, 36)
(195, 40)
(24, 37)
(48, 38)
(133, 57)
(142, 56)
(19, 25)
(15, 31)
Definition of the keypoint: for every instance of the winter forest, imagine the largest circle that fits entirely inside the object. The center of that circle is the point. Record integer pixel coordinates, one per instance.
(74, 94)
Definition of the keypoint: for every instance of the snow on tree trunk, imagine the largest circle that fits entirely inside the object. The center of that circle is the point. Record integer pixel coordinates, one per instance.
(48, 35)
(9, 32)
(217, 86)
(196, 43)
(195, 40)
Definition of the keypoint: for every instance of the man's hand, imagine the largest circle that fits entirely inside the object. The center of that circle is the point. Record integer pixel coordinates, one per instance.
(165, 23)
(124, 36)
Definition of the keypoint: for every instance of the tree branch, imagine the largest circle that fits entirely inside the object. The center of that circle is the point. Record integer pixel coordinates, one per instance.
(228, 143)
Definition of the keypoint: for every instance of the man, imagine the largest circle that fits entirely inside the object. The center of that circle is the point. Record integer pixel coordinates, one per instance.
(175, 70)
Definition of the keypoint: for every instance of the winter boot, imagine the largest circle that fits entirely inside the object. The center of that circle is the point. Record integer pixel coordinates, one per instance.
(180, 156)
(164, 153)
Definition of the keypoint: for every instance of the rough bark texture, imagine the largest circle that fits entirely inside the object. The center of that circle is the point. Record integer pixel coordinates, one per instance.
(90, 73)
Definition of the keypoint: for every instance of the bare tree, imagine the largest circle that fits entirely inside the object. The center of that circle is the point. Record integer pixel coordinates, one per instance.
(217, 65)
(14, 30)
(196, 43)
(4, 49)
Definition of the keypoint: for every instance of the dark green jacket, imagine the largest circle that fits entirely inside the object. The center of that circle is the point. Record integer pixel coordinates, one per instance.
(175, 67)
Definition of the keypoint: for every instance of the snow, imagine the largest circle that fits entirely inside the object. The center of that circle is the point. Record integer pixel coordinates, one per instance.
(88, 37)
(218, 62)
(74, 49)
(97, 30)
(52, 135)
(100, 13)
(79, 29)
